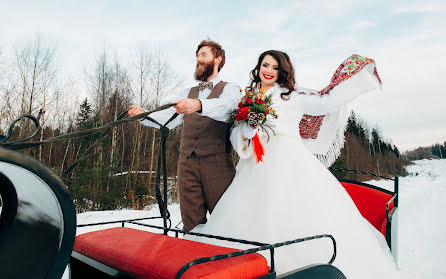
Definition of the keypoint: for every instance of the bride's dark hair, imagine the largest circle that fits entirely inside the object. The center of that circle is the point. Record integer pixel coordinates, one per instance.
(286, 71)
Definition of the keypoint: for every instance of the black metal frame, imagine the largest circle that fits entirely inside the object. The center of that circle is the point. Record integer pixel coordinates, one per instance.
(97, 270)
(261, 247)
(86, 267)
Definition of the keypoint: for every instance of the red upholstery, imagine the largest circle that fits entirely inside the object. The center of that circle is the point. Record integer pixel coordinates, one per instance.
(371, 203)
(148, 255)
(383, 227)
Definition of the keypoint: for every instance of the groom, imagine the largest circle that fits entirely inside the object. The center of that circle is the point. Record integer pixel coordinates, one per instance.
(205, 168)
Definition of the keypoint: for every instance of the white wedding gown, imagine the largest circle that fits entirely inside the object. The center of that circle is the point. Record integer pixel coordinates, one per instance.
(292, 195)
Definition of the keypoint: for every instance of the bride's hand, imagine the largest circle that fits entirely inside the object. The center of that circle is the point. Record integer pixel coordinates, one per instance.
(247, 132)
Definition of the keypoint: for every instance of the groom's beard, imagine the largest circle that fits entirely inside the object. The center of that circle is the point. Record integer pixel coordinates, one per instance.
(204, 72)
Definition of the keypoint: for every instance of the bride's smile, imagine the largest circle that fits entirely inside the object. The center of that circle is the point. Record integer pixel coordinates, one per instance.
(269, 72)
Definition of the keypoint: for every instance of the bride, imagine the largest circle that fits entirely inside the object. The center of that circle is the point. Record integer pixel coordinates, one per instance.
(289, 194)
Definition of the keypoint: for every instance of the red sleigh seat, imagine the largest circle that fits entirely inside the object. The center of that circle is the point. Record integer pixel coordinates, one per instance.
(371, 202)
(143, 254)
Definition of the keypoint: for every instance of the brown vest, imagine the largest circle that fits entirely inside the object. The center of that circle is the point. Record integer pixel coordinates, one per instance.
(203, 135)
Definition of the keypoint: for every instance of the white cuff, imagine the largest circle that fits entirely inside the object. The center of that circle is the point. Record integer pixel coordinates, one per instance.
(247, 131)
(200, 112)
(242, 147)
(203, 107)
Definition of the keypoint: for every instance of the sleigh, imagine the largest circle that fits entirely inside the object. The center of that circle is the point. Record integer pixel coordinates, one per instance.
(38, 225)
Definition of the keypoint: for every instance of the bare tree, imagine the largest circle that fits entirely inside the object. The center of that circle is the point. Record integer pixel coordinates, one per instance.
(121, 91)
(142, 66)
(60, 112)
(3, 105)
(8, 92)
(99, 82)
(163, 82)
(35, 64)
(29, 83)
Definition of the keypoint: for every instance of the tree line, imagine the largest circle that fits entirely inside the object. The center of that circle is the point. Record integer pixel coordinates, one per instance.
(120, 172)
(435, 151)
(365, 149)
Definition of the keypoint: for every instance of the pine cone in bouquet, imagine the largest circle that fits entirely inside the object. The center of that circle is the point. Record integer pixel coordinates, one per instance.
(255, 119)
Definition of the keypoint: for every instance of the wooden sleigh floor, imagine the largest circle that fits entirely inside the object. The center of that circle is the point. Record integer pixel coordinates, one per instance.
(123, 252)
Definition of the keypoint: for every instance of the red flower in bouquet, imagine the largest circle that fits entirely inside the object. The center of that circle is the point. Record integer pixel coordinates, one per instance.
(242, 113)
(258, 101)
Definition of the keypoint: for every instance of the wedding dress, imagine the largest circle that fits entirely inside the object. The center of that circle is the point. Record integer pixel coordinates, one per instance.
(290, 194)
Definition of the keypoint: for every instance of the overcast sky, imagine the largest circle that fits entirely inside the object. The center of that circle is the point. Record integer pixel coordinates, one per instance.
(405, 38)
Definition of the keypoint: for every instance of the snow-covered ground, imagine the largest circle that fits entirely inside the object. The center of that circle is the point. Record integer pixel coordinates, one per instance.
(421, 228)
(422, 219)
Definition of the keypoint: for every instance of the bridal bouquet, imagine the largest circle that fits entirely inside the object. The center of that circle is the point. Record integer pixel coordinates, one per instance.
(253, 109)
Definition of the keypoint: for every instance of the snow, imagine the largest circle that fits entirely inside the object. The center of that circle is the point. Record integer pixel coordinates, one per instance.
(126, 172)
(421, 220)
(106, 216)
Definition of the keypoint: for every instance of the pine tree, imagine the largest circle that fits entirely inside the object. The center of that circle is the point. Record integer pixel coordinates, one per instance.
(396, 152)
(83, 117)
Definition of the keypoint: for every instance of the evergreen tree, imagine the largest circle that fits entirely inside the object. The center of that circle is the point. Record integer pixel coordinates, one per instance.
(376, 142)
(352, 124)
(84, 115)
(396, 152)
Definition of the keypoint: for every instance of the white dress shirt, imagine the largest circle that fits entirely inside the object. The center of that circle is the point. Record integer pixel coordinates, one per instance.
(217, 108)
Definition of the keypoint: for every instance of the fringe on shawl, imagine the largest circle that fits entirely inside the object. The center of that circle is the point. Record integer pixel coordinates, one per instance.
(334, 151)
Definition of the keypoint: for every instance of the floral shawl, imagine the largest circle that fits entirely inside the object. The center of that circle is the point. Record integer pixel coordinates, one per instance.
(332, 126)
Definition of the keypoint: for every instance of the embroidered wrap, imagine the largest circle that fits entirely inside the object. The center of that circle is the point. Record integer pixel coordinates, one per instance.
(324, 134)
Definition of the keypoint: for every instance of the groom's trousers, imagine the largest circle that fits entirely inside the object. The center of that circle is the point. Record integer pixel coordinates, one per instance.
(202, 181)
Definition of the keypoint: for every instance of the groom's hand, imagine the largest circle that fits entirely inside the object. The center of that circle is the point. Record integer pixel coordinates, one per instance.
(135, 110)
(188, 106)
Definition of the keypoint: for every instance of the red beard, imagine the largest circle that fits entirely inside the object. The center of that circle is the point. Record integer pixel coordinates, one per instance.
(203, 73)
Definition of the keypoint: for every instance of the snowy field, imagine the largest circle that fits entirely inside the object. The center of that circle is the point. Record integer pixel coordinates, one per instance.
(422, 220)
(421, 228)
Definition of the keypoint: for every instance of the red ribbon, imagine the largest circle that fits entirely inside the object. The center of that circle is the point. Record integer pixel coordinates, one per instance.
(258, 148)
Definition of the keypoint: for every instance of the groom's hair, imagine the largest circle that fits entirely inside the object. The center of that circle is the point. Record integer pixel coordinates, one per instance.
(216, 50)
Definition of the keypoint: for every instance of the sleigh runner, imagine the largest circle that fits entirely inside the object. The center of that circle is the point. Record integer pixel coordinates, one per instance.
(123, 252)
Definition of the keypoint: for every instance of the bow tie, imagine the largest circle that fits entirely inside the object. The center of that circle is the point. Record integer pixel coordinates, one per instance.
(203, 85)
